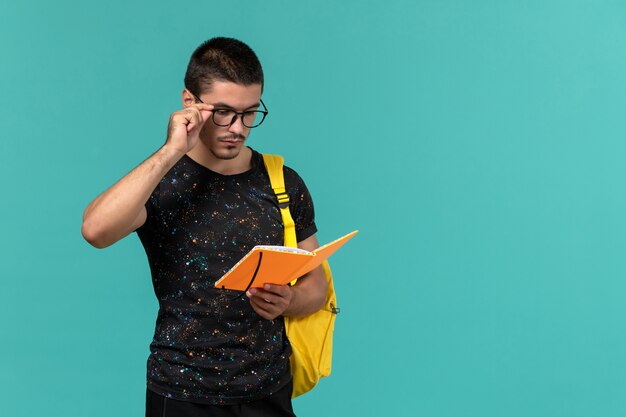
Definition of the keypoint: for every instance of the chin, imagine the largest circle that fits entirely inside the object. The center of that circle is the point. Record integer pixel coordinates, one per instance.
(228, 153)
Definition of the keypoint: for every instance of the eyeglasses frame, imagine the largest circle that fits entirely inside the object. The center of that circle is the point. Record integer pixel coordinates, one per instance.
(239, 114)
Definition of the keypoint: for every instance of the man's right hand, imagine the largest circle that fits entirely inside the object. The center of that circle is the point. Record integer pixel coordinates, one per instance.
(121, 208)
(183, 131)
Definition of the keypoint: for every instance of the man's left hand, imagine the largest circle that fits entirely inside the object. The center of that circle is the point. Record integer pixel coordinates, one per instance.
(270, 301)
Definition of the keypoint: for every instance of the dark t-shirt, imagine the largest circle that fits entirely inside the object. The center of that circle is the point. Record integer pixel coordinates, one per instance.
(209, 345)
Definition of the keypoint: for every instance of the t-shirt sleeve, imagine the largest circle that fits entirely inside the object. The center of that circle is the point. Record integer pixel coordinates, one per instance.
(150, 209)
(300, 205)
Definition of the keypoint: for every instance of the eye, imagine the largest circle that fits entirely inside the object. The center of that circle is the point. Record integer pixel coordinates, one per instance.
(223, 112)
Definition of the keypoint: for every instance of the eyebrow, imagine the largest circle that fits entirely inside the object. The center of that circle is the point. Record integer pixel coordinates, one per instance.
(228, 106)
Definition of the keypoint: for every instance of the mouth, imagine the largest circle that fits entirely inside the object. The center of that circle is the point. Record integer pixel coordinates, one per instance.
(232, 140)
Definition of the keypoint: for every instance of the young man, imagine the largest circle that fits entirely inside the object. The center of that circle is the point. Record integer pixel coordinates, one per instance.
(198, 204)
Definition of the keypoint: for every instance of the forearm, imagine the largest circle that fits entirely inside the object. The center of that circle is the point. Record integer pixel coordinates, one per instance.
(120, 209)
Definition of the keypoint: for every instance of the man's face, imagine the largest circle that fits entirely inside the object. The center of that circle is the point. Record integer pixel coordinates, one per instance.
(225, 142)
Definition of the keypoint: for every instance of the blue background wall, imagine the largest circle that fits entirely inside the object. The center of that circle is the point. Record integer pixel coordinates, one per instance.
(479, 146)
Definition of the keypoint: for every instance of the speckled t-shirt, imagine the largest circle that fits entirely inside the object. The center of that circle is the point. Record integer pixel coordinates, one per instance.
(209, 345)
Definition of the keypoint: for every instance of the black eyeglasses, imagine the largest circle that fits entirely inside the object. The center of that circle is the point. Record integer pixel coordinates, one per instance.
(249, 118)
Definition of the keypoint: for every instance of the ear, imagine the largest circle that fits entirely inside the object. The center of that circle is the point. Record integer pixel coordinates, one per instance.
(188, 98)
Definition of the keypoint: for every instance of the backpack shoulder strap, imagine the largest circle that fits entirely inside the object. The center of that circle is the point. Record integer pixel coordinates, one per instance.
(310, 336)
(274, 165)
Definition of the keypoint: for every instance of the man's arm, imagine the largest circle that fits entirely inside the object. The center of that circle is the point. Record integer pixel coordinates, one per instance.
(121, 209)
(306, 297)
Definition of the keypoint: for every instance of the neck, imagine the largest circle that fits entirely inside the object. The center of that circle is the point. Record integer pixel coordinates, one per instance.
(237, 165)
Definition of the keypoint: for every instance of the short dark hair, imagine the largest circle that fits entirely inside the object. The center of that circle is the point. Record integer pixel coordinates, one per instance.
(223, 59)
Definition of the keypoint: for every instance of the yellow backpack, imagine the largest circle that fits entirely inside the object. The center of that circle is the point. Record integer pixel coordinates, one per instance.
(311, 337)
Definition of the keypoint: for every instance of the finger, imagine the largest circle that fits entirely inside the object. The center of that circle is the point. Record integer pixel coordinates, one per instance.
(258, 294)
(203, 106)
(206, 115)
(178, 121)
(204, 110)
(281, 290)
(262, 304)
(194, 118)
(192, 114)
(268, 301)
(259, 310)
(185, 117)
(263, 309)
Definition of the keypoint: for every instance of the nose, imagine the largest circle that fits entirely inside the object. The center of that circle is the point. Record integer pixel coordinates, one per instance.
(236, 125)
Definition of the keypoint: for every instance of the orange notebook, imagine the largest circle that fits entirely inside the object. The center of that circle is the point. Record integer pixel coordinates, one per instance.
(266, 264)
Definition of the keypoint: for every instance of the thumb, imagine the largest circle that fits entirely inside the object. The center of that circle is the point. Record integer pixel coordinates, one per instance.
(206, 115)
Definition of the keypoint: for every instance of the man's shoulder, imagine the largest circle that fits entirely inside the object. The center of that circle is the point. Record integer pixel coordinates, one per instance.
(293, 180)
